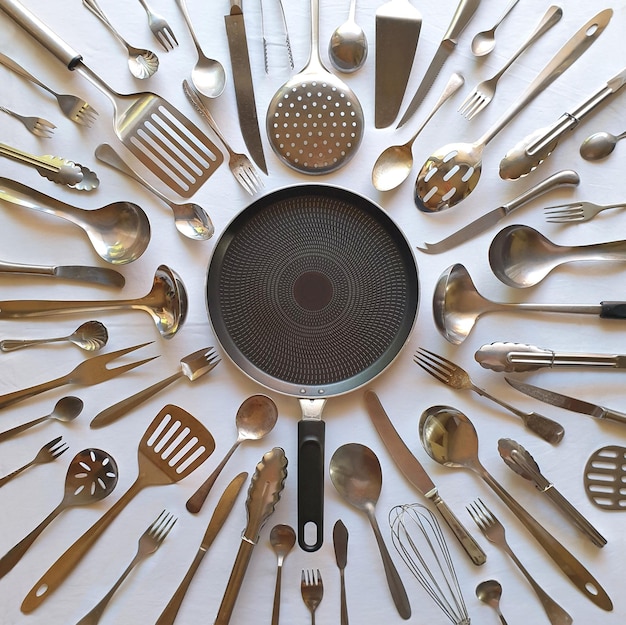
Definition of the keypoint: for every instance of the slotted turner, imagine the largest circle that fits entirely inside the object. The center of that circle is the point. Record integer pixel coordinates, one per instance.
(604, 477)
(173, 446)
(156, 133)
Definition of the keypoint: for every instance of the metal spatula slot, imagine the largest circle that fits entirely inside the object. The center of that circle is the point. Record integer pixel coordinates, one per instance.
(605, 477)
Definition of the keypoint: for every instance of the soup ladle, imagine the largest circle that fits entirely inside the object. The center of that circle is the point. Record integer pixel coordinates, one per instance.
(448, 437)
(166, 303)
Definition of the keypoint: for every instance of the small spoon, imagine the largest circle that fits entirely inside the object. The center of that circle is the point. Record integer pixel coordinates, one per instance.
(119, 232)
(356, 474)
(347, 48)
(65, 410)
(190, 219)
(394, 165)
(485, 41)
(489, 592)
(255, 418)
(599, 145)
(90, 336)
(208, 75)
(282, 539)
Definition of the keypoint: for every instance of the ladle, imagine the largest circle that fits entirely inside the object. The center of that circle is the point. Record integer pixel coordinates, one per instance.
(166, 303)
(485, 41)
(190, 219)
(90, 336)
(356, 474)
(91, 476)
(282, 539)
(449, 438)
(255, 418)
(457, 305)
(119, 232)
(522, 257)
(65, 410)
(347, 49)
(489, 592)
(599, 145)
(208, 75)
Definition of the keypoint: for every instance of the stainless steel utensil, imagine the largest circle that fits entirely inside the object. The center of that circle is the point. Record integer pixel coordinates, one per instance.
(489, 592)
(347, 48)
(457, 378)
(172, 447)
(485, 40)
(312, 590)
(449, 438)
(90, 336)
(149, 542)
(576, 212)
(185, 158)
(81, 273)
(604, 475)
(282, 539)
(255, 419)
(286, 38)
(49, 452)
(159, 27)
(356, 474)
(340, 545)
(193, 366)
(452, 172)
(599, 145)
(494, 532)
(38, 126)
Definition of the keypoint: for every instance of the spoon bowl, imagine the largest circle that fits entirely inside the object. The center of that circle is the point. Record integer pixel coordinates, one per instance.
(282, 539)
(599, 145)
(485, 41)
(142, 63)
(347, 49)
(489, 592)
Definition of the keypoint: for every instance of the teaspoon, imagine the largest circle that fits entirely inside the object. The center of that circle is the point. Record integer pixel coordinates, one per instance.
(90, 336)
(489, 592)
(599, 145)
(347, 49)
(282, 539)
(485, 41)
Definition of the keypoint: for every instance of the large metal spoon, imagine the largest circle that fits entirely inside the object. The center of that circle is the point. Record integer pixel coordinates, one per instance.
(599, 145)
(255, 418)
(208, 75)
(347, 49)
(485, 41)
(449, 438)
(282, 539)
(522, 257)
(489, 592)
(119, 232)
(166, 303)
(356, 474)
(90, 336)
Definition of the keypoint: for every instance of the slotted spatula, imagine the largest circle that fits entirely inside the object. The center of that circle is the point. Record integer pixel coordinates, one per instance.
(173, 446)
(604, 476)
(155, 132)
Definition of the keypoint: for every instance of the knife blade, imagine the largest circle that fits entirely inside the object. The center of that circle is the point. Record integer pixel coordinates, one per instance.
(567, 402)
(80, 273)
(461, 18)
(242, 79)
(414, 472)
(480, 225)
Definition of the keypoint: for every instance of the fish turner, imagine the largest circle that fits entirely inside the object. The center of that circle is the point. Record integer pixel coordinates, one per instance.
(173, 446)
(156, 133)
(605, 477)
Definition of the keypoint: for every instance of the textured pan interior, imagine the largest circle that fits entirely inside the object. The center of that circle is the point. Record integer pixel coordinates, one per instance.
(312, 290)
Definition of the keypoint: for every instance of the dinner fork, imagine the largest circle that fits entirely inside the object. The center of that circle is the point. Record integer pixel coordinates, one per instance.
(149, 542)
(240, 165)
(312, 589)
(49, 452)
(160, 28)
(73, 107)
(37, 125)
(457, 378)
(495, 533)
(577, 212)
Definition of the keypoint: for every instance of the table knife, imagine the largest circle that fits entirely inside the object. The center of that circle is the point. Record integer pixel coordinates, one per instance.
(567, 402)
(94, 275)
(340, 544)
(242, 79)
(460, 20)
(417, 476)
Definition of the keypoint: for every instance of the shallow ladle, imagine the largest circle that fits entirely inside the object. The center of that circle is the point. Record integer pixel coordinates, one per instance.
(522, 257)
(489, 592)
(166, 303)
(347, 49)
(599, 145)
(90, 336)
(282, 539)
(356, 474)
(255, 418)
(449, 438)
(119, 232)
(485, 41)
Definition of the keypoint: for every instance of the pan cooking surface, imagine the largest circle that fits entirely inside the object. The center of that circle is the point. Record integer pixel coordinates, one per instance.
(312, 287)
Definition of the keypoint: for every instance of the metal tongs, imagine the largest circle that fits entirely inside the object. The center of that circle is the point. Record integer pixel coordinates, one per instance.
(510, 357)
(519, 460)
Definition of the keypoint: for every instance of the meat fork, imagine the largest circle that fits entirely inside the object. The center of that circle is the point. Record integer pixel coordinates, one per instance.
(39, 126)
(88, 372)
(49, 452)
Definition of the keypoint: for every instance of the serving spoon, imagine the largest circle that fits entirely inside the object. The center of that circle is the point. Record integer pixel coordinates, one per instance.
(599, 145)
(347, 49)
(119, 232)
(90, 336)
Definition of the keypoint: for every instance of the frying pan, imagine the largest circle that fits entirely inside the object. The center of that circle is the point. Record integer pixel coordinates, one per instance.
(312, 291)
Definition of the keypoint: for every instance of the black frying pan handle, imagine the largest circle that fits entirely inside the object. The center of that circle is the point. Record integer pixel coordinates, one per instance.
(613, 310)
(311, 434)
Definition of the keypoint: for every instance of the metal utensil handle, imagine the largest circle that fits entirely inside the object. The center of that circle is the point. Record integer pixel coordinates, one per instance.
(21, 428)
(234, 583)
(11, 345)
(567, 176)
(461, 18)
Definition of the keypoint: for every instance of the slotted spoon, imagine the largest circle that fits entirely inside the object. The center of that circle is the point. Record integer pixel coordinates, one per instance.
(173, 446)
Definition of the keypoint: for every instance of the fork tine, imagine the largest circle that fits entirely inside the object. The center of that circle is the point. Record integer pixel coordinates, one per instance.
(468, 103)
(162, 525)
(437, 366)
(112, 373)
(104, 358)
(478, 107)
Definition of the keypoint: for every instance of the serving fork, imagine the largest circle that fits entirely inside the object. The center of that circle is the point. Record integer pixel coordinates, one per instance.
(457, 378)
(39, 126)
(312, 589)
(73, 107)
(49, 452)
(495, 533)
(160, 28)
(576, 212)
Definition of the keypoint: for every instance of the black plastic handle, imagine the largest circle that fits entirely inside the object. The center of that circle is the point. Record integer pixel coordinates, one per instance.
(613, 310)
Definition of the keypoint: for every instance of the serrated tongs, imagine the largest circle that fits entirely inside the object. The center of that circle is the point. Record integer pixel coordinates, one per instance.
(263, 494)
(521, 462)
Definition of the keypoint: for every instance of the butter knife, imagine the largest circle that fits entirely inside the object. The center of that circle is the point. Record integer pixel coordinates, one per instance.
(94, 275)
(340, 544)
(242, 79)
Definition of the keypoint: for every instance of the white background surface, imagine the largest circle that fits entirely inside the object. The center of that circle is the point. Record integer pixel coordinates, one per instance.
(404, 389)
